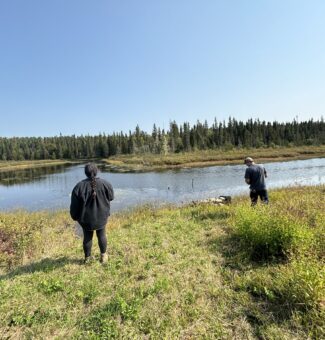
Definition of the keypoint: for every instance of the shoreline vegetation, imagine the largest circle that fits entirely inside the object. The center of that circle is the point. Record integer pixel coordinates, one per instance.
(194, 271)
(22, 165)
(203, 158)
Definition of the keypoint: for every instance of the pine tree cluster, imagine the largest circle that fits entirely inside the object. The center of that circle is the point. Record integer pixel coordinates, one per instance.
(179, 138)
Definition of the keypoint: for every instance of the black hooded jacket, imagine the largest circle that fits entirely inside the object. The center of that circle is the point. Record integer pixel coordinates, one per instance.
(91, 212)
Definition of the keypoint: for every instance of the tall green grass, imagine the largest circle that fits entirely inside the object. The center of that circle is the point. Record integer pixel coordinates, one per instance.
(267, 233)
(288, 237)
(293, 293)
(173, 272)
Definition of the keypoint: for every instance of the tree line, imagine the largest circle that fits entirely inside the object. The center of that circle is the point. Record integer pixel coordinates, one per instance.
(178, 138)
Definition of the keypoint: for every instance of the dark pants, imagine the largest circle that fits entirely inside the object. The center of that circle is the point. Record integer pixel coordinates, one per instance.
(254, 194)
(88, 240)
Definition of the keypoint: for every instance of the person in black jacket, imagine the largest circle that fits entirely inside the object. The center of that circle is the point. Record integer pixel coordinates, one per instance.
(90, 206)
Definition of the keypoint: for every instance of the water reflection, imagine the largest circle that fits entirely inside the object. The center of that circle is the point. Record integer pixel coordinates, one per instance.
(13, 177)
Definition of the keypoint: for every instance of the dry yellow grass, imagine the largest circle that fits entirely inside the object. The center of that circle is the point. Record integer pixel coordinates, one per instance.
(150, 162)
(19, 165)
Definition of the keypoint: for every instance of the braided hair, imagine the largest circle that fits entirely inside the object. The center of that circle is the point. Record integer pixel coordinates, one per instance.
(91, 171)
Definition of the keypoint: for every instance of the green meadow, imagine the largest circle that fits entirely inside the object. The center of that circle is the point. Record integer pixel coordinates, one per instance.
(198, 271)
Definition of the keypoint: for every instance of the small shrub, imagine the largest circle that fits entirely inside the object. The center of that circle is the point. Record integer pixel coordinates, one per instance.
(22, 235)
(266, 233)
(51, 286)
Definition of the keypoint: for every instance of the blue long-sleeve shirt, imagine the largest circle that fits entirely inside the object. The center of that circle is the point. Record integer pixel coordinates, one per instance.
(255, 174)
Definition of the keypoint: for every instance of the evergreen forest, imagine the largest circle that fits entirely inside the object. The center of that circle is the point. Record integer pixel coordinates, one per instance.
(178, 138)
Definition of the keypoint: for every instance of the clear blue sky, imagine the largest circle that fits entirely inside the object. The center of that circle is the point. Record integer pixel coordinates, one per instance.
(79, 67)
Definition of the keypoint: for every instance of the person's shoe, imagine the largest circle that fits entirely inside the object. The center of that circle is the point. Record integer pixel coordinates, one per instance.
(87, 259)
(103, 258)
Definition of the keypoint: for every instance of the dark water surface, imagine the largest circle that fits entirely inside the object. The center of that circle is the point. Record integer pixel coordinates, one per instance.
(50, 188)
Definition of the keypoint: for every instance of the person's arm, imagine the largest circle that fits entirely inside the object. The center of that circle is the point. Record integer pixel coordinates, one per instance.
(247, 176)
(265, 174)
(109, 191)
(74, 206)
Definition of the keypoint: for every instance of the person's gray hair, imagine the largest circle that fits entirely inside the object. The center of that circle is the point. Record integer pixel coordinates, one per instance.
(248, 160)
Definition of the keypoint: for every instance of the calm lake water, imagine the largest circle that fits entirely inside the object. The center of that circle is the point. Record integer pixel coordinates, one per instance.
(50, 188)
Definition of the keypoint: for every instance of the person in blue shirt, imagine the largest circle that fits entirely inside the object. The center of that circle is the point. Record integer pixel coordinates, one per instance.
(255, 176)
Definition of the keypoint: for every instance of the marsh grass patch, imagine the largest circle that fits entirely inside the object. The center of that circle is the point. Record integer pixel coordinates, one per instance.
(266, 233)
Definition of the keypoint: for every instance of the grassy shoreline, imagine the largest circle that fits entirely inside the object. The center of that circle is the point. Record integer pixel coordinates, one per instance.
(202, 158)
(143, 163)
(21, 165)
(186, 272)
